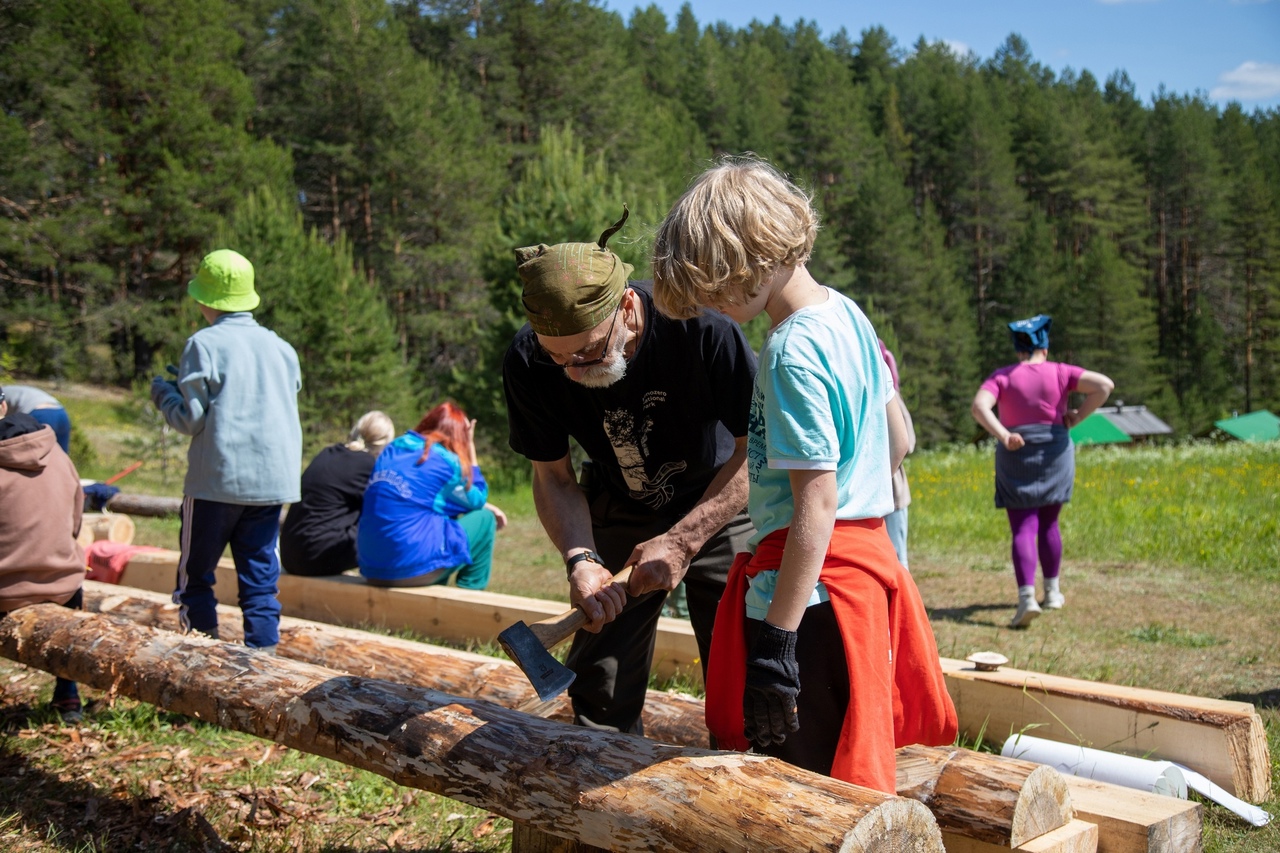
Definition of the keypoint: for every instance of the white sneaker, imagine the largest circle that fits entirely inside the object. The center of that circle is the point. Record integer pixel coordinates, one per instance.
(1053, 600)
(1028, 610)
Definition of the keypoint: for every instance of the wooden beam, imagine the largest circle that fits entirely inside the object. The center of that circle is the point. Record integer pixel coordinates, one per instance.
(1221, 739)
(1002, 800)
(1078, 836)
(1132, 821)
(605, 789)
(445, 613)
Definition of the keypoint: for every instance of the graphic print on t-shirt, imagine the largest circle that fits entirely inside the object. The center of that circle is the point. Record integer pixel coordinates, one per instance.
(757, 452)
(627, 439)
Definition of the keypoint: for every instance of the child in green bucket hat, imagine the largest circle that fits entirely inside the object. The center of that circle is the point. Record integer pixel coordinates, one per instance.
(236, 395)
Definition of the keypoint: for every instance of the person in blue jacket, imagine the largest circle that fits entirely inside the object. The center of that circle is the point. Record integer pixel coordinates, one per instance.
(427, 515)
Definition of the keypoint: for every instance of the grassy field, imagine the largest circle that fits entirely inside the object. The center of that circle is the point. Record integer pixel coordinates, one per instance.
(1171, 573)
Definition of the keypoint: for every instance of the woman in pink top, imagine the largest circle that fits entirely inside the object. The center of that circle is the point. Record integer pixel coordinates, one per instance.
(1035, 459)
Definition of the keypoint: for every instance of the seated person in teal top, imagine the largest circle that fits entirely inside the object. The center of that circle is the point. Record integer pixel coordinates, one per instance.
(426, 515)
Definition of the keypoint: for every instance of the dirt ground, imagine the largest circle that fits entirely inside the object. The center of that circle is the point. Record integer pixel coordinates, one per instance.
(1168, 629)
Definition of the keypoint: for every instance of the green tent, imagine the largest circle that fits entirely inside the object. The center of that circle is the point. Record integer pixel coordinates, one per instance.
(1255, 426)
(1097, 429)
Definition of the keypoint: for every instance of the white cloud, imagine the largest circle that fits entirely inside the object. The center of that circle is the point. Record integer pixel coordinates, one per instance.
(1251, 81)
(959, 48)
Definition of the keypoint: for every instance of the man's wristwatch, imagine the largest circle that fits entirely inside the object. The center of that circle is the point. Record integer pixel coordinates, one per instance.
(579, 558)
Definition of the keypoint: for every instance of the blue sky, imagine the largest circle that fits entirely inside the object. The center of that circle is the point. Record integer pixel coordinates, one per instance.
(1226, 49)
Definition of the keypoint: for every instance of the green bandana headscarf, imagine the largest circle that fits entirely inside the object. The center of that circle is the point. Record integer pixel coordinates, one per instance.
(572, 287)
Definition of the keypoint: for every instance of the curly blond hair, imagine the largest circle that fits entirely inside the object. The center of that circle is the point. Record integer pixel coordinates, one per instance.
(738, 223)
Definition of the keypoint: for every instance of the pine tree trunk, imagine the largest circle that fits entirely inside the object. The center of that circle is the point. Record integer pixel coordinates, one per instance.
(607, 790)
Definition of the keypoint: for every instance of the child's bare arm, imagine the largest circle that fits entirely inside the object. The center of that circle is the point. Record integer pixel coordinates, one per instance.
(810, 535)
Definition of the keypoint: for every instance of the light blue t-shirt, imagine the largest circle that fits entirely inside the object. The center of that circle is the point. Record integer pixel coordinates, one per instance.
(819, 404)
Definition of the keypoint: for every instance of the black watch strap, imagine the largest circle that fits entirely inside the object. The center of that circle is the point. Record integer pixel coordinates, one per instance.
(578, 558)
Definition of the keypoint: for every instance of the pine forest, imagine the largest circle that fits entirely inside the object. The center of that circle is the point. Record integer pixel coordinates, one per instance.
(378, 161)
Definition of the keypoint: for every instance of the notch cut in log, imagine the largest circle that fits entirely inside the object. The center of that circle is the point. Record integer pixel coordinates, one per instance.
(988, 797)
(609, 790)
(97, 526)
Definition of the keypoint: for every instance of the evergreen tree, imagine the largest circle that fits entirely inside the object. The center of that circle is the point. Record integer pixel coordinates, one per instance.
(989, 206)
(1187, 207)
(1032, 282)
(390, 152)
(124, 140)
(564, 196)
(1103, 322)
(1252, 303)
(317, 299)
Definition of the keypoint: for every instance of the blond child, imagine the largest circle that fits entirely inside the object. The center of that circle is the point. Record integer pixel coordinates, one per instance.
(820, 600)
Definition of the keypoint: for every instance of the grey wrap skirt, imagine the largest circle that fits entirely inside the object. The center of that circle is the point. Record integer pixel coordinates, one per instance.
(1041, 473)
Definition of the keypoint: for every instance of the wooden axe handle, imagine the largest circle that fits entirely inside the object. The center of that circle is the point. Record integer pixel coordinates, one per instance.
(555, 630)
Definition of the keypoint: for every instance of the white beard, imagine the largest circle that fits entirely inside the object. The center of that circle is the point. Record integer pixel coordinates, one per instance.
(607, 372)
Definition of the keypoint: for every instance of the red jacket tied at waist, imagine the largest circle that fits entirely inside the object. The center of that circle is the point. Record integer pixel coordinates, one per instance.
(922, 709)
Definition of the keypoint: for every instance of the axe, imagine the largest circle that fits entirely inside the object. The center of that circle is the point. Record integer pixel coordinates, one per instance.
(528, 646)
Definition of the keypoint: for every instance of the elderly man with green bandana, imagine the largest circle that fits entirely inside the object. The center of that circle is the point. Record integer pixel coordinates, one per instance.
(660, 408)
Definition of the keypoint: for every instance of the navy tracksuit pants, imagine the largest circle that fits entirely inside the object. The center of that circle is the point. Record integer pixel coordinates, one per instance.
(253, 533)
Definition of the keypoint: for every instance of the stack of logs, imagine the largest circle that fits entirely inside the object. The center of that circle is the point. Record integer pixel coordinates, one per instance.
(980, 802)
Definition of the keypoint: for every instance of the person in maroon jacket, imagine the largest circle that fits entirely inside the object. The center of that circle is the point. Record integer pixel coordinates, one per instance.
(41, 503)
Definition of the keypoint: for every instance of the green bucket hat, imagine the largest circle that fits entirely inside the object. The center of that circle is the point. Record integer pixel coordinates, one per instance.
(572, 287)
(224, 282)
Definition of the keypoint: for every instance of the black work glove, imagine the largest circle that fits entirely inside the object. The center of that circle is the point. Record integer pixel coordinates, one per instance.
(773, 683)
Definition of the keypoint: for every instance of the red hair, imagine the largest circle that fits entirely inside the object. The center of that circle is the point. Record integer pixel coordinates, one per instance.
(447, 424)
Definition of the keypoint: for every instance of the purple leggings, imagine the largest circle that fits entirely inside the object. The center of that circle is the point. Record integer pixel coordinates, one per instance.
(1035, 531)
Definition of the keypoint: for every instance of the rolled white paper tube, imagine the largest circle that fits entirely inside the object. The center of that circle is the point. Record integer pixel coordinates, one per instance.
(1160, 777)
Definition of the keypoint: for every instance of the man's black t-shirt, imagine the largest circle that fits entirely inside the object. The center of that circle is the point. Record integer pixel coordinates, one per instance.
(319, 534)
(659, 434)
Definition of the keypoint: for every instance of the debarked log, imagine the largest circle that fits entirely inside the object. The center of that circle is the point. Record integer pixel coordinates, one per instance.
(148, 505)
(987, 797)
(999, 802)
(614, 791)
(97, 526)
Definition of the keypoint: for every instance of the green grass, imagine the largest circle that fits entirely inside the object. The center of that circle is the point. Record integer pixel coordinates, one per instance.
(1196, 504)
(1174, 636)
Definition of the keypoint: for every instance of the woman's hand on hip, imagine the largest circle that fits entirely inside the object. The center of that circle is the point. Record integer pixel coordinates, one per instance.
(1013, 441)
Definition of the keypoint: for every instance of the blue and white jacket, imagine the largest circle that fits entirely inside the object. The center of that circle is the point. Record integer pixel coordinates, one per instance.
(407, 526)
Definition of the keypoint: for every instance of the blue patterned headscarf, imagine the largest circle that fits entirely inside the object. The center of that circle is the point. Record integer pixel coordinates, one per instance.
(1031, 334)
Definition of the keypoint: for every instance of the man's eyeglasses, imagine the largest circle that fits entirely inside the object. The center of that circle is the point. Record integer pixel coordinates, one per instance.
(583, 358)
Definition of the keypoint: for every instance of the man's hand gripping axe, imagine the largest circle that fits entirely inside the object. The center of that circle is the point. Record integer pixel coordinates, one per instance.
(529, 645)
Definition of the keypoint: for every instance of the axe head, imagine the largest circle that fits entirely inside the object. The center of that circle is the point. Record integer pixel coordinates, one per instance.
(548, 676)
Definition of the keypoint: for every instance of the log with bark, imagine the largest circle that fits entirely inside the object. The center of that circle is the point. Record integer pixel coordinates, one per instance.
(608, 790)
(148, 505)
(987, 797)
